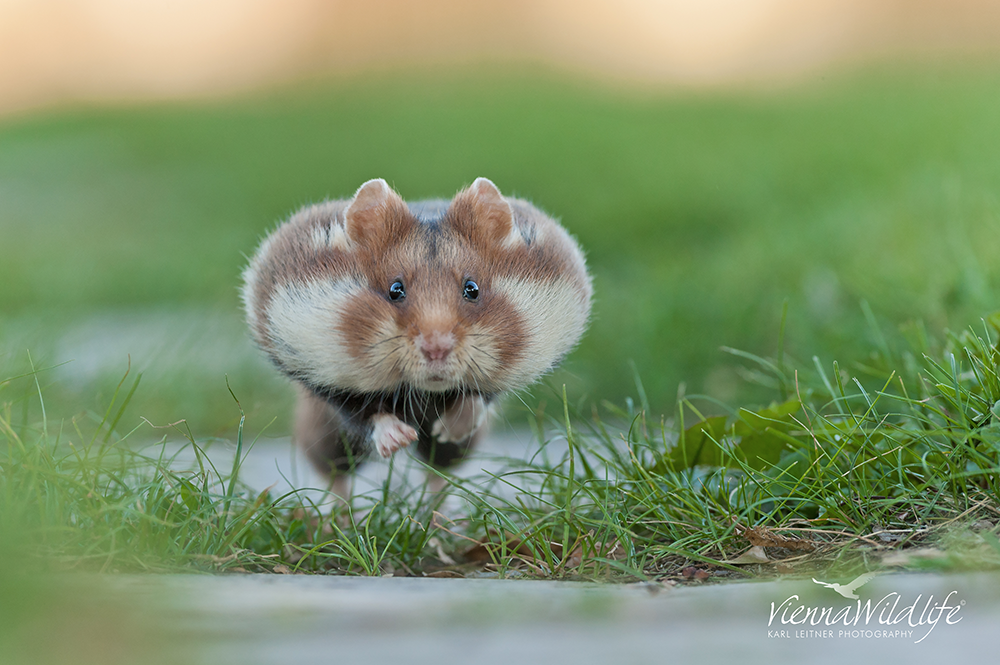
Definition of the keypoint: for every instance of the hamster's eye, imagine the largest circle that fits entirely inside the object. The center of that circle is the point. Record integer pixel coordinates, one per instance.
(471, 290)
(396, 291)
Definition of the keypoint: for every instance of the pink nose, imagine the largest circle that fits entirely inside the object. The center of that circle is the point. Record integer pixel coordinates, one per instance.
(437, 345)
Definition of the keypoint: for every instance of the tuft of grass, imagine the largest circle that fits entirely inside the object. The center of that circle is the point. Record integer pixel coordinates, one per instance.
(893, 460)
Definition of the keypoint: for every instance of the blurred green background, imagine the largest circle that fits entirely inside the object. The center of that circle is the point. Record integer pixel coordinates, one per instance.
(123, 230)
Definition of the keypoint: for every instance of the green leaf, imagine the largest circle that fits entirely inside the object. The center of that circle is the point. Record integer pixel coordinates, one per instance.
(774, 415)
(189, 494)
(698, 445)
(755, 439)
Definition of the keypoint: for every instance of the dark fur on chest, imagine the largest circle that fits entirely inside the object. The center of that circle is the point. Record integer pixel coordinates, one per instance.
(417, 408)
(342, 443)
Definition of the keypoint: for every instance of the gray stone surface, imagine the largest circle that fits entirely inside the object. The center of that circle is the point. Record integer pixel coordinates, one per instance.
(251, 619)
(279, 465)
(287, 619)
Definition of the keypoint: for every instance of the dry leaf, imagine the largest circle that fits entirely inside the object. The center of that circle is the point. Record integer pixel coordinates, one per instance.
(586, 549)
(755, 554)
(441, 554)
(480, 552)
(693, 573)
(761, 536)
(582, 552)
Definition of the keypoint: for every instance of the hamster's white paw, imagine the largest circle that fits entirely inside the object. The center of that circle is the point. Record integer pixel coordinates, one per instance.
(460, 420)
(391, 434)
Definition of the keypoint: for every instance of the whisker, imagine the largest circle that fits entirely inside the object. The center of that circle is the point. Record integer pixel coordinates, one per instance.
(387, 339)
(474, 377)
(485, 353)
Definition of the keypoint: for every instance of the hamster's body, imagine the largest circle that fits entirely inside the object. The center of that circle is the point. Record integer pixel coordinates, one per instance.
(401, 323)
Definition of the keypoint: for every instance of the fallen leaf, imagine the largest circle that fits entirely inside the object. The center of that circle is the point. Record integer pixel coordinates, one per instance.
(755, 554)
(445, 574)
(441, 554)
(693, 573)
(761, 536)
(481, 551)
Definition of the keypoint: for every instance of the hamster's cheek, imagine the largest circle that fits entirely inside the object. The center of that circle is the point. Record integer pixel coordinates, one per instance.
(303, 317)
(551, 322)
(365, 320)
(481, 356)
(370, 334)
(502, 332)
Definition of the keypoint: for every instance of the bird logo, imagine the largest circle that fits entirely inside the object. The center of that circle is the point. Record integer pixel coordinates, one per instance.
(847, 590)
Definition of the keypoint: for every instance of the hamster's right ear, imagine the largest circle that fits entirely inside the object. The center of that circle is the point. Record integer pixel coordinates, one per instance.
(374, 209)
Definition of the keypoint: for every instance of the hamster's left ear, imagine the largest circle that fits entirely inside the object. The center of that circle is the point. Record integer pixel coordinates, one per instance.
(491, 215)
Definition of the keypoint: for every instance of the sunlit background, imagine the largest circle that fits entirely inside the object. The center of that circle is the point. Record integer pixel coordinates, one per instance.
(716, 159)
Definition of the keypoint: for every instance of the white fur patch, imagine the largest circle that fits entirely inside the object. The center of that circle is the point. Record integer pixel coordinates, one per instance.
(329, 236)
(246, 295)
(303, 320)
(250, 280)
(555, 317)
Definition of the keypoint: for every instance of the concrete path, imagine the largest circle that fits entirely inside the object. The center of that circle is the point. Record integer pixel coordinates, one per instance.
(279, 464)
(251, 619)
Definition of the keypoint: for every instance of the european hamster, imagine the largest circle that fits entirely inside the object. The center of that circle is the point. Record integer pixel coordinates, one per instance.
(401, 323)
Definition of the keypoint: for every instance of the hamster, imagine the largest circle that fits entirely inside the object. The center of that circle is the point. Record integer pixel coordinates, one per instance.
(401, 323)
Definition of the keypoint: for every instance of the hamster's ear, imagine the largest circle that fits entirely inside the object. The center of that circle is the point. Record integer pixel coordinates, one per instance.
(374, 208)
(481, 210)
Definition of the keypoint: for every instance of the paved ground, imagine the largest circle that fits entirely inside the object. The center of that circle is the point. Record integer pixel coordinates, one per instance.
(252, 619)
(278, 464)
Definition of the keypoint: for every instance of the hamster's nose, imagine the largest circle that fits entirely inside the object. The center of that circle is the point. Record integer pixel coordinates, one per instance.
(436, 345)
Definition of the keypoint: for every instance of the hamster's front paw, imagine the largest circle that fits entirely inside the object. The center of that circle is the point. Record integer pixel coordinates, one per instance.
(390, 434)
(460, 420)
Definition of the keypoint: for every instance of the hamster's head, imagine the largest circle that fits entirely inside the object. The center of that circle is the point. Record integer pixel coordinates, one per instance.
(481, 294)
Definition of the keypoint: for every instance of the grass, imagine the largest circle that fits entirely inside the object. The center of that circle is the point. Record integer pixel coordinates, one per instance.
(888, 461)
(710, 219)
(702, 212)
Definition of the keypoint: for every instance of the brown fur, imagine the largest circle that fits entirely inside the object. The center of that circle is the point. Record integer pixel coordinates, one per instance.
(317, 299)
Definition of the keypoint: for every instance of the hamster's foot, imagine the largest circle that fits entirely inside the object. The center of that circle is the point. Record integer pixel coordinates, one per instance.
(391, 434)
(460, 420)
